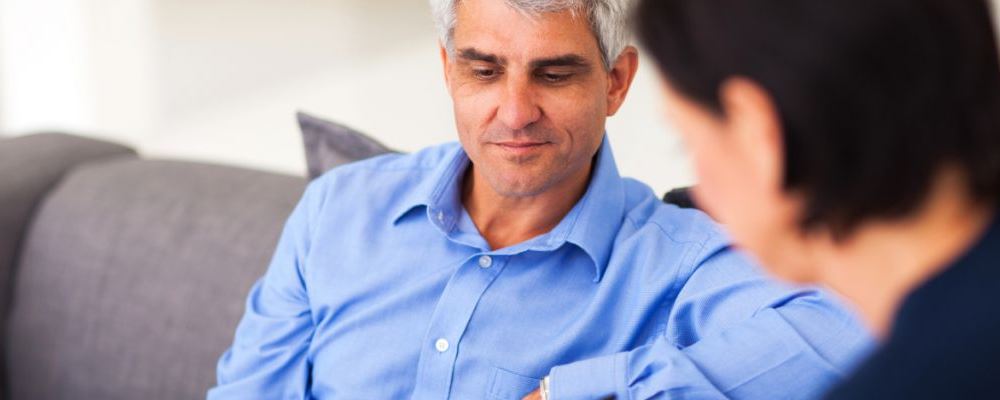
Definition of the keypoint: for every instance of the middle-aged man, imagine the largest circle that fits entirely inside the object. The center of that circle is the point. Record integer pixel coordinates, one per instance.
(474, 271)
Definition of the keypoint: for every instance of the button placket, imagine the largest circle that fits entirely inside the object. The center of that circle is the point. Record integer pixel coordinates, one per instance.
(451, 318)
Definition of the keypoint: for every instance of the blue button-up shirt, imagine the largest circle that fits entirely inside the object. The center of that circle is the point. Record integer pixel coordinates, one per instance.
(382, 288)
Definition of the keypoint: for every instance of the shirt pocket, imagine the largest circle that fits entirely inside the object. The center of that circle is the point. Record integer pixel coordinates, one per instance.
(509, 385)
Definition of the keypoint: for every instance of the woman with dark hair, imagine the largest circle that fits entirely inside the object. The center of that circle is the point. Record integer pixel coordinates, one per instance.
(854, 143)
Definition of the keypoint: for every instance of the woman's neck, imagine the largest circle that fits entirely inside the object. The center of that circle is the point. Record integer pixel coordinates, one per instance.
(883, 262)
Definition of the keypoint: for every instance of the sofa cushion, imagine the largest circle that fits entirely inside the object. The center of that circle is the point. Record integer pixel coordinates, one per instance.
(31, 166)
(329, 144)
(134, 275)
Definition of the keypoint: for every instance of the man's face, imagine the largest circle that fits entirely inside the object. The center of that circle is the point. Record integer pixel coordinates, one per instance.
(530, 93)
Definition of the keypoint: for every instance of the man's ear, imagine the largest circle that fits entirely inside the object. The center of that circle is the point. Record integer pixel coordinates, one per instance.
(620, 78)
(753, 118)
(444, 65)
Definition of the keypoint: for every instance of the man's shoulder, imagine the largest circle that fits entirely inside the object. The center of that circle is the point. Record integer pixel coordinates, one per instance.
(650, 217)
(666, 244)
(381, 180)
(388, 171)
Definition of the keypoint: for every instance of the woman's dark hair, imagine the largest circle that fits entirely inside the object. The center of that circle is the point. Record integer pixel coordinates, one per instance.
(875, 97)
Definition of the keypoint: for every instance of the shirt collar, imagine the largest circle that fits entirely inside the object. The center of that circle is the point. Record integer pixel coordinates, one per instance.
(438, 191)
(591, 225)
(600, 212)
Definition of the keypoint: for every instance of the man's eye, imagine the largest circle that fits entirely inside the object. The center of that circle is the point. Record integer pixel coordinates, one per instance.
(555, 78)
(485, 73)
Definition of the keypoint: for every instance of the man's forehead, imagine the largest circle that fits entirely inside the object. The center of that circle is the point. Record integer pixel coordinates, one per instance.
(494, 29)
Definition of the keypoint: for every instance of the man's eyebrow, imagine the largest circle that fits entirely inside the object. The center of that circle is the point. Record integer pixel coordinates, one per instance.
(471, 54)
(568, 60)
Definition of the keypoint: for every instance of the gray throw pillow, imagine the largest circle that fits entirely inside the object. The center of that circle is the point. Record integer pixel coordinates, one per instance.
(329, 144)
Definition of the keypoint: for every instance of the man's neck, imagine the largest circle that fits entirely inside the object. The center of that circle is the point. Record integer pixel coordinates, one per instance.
(883, 263)
(505, 221)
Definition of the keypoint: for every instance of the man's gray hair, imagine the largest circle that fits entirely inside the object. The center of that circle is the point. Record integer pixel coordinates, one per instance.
(608, 19)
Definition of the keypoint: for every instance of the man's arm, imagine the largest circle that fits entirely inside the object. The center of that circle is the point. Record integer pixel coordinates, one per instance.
(268, 358)
(733, 333)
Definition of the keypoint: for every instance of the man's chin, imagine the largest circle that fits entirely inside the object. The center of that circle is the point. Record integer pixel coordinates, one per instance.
(519, 186)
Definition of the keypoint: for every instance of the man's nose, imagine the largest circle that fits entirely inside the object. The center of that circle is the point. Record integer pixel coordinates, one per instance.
(518, 106)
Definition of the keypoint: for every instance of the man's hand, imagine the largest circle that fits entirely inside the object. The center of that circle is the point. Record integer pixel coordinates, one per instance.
(536, 395)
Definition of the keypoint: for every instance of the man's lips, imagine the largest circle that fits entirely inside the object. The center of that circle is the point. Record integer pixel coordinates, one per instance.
(521, 149)
(521, 145)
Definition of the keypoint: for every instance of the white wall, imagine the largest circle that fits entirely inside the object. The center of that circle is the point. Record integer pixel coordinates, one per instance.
(996, 14)
(78, 65)
(371, 65)
(220, 80)
(46, 65)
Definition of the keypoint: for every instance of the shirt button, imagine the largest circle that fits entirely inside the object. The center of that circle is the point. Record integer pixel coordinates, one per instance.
(440, 216)
(441, 345)
(485, 262)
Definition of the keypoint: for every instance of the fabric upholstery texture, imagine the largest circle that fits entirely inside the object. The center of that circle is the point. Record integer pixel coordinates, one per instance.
(31, 166)
(133, 278)
(329, 144)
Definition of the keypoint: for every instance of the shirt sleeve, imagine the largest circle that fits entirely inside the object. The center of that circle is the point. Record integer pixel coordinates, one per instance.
(732, 334)
(268, 358)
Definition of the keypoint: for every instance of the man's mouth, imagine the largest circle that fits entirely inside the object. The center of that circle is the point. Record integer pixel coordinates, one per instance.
(521, 144)
(521, 148)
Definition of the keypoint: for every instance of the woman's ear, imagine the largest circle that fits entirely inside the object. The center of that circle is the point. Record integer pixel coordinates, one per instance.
(751, 116)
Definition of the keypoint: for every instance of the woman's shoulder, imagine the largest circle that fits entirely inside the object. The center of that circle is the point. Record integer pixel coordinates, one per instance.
(943, 343)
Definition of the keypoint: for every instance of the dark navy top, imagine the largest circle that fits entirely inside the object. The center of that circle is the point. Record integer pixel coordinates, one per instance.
(945, 342)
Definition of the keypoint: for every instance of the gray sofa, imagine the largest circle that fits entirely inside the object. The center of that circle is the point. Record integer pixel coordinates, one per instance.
(123, 277)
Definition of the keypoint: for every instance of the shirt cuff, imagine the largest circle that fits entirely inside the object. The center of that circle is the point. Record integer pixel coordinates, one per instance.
(594, 378)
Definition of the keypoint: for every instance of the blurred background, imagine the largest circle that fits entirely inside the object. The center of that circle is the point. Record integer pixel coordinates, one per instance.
(220, 80)
(124, 277)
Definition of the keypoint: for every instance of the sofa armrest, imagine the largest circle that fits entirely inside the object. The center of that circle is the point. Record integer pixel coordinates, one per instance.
(30, 166)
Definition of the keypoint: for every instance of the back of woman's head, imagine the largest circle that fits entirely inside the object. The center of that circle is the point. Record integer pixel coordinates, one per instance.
(875, 97)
